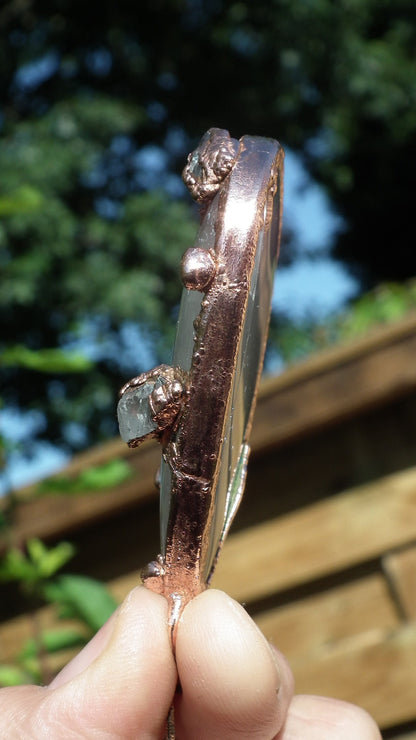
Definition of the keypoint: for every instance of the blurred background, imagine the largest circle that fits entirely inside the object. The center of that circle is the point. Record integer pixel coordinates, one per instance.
(100, 105)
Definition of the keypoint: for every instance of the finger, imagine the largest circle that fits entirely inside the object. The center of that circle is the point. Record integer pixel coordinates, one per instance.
(319, 718)
(128, 689)
(125, 691)
(233, 685)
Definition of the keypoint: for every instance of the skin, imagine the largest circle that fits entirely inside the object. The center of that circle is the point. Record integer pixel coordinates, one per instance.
(234, 684)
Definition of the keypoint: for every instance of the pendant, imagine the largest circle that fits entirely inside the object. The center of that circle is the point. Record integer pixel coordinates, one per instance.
(201, 407)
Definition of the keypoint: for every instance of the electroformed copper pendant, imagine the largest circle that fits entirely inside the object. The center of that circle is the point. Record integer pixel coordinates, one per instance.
(201, 408)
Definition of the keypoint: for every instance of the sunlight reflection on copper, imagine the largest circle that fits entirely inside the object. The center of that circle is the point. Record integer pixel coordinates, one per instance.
(239, 214)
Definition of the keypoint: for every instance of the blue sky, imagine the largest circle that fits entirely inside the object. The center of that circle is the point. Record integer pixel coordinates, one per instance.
(315, 284)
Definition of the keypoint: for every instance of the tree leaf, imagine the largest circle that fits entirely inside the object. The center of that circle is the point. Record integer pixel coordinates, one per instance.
(82, 597)
(52, 641)
(98, 477)
(11, 675)
(24, 199)
(49, 561)
(46, 360)
(40, 562)
(15, 566)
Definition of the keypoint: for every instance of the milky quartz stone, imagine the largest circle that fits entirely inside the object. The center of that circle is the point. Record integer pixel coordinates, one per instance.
(134, 413)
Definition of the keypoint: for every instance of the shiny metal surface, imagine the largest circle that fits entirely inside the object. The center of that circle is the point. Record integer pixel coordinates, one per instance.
(218, 356)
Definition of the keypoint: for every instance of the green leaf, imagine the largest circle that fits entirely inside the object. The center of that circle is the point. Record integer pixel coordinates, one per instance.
(11, 675)
(16, 567)
(52, 641)
(83, 598)
(45, 360)
(36, 550)
(24, 199)
(107, 475)
(49, 561)
(39, 564)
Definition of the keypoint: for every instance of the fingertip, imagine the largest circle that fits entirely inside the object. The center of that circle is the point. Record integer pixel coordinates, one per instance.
(230, 678)
(325, 718)
(116, 691)
(287, 681)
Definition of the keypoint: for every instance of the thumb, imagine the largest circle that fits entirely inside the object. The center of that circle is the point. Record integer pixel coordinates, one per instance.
(120, 686)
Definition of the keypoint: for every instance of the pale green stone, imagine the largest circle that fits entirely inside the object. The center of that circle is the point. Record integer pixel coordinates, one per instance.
(134, 413)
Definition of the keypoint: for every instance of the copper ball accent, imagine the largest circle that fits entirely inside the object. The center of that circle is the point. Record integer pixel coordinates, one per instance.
(198, 268)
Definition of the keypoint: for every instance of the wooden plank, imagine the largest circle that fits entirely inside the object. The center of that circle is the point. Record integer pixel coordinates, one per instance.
(378, 674)
(320, 539)
(337, 384)
(50, 515)
(12, 636)
(378, 337)
(97, 455)
(16, 632)
(323, 620)
(401, 569)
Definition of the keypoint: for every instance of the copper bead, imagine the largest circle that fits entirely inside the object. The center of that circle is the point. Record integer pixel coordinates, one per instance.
(198, 268)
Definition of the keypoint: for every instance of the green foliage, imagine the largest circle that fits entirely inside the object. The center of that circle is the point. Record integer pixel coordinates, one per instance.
(83, 600)
(39, 564)
(68, 271)
(52, 641)
(98, 477)
(387, 303)
(45, 360)
(25, 199)
(28, 664)
(14, 675)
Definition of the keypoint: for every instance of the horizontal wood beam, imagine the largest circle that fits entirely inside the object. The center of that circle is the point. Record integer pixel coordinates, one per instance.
(400, 568)
(376, 672)
(50, 514)
(321, 539)
(324, 620)
(337, 384)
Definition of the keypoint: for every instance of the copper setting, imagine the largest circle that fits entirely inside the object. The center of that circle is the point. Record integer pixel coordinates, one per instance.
(166, 401)
(201, 408)
(165, 395)
(210, 163)
(198, 268)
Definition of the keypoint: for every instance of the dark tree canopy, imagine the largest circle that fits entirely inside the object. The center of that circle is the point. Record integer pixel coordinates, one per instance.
(101, 102)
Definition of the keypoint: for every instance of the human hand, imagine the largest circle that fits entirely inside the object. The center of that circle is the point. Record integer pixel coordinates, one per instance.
(121, 685)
